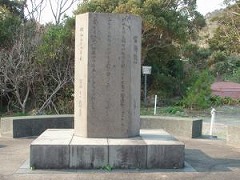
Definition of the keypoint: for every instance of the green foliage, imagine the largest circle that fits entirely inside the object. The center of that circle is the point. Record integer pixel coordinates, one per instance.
(55, 58)
(54, 43)
(225, 59)
(107, 168)
(197, 57)
(223, 65)
(199, 21)
(198, 95)
(9, 28)
(15, 7)
(226, 37)
(216, 100)
(167, 26)
(220, 101)
(235, 76)
(173, 110)
(18, 70)
(20, 114)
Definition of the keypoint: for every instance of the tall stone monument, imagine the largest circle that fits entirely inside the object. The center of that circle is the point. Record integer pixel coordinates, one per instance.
(107, 105)
(107, 75)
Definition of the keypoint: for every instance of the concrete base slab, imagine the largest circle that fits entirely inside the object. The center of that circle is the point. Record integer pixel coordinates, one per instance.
(88, 153)
(25, 126)
(51, 150)
(177, 126)
(60, 149)
(163, 150)
(127, 153)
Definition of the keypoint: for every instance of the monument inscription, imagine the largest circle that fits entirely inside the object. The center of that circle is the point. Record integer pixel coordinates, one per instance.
(107, 75)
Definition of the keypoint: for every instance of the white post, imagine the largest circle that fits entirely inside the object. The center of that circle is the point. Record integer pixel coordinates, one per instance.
(155, 105)
(213, 114)
(145, 89)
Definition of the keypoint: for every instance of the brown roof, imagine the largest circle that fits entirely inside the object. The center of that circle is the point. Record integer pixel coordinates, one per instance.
(226, 89)
(225, 86)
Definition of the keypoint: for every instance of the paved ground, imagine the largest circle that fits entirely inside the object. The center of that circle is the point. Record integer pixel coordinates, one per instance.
(205, 159)
(225, 115)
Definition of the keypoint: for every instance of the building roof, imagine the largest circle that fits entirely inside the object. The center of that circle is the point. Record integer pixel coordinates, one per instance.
(225, 86)
(226, 89)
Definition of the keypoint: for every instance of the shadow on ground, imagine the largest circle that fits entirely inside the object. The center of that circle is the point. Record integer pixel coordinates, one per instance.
(201, 162)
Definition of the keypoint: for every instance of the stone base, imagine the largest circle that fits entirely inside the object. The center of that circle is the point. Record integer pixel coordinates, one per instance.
(24, 126)
(60, 149)
(177, 126)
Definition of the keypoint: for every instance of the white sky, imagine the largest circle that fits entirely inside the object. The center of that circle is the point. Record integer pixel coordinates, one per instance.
(203, 6)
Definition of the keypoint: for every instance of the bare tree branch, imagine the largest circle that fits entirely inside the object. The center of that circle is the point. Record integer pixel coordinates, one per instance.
(35, 9)
(59, 7)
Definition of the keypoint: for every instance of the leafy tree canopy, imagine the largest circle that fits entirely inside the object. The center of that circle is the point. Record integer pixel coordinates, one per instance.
(16, 7)
(227, 35)
(167, 26)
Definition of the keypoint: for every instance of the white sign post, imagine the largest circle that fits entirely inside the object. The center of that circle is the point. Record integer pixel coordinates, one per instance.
(213, 115)
(155, 105)
(146, 70)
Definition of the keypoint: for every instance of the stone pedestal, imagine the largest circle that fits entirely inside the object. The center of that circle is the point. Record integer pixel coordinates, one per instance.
(107, 105)
(107, 75)
(60, 149)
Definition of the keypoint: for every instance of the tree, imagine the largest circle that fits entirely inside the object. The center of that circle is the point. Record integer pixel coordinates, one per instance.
(16, 7)
(56, 62)
(227, 35)
(199, 93)
(59, 7)
(34, 9)
(225, 59)
(18, 70)
(167, 25)
(10, 20)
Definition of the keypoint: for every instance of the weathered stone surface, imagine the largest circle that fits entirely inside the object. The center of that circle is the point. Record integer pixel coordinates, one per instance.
(186, 127)
(127, 153)
(107, 75)
(163, 150)
(51, 150)
(24, 126)
(60, 149)
(88, 153)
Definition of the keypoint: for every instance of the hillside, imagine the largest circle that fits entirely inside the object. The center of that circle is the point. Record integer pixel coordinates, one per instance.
(208, 31)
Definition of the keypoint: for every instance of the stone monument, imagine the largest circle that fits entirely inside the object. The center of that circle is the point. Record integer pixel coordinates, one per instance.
(107, 75)
(106, 105)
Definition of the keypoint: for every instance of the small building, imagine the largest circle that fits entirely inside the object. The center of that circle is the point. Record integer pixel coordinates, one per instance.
(226, 89)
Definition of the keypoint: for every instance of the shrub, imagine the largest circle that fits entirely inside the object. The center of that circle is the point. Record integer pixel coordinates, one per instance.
(199, 93)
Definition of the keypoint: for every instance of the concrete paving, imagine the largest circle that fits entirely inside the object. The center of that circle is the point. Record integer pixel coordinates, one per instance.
(205, 159)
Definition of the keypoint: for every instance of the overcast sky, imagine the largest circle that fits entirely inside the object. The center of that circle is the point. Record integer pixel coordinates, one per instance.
(203, 6)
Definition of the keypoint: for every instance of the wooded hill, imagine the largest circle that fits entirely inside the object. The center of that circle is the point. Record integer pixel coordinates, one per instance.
(37, 61)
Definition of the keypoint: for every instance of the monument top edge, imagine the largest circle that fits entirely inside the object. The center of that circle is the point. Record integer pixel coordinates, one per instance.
(107, 14)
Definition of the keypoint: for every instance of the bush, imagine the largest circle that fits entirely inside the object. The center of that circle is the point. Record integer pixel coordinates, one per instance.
(173, 110)
(199, 93)
(219, 101)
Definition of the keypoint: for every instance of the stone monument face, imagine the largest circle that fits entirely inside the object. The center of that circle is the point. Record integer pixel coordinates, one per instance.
(107, 75)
